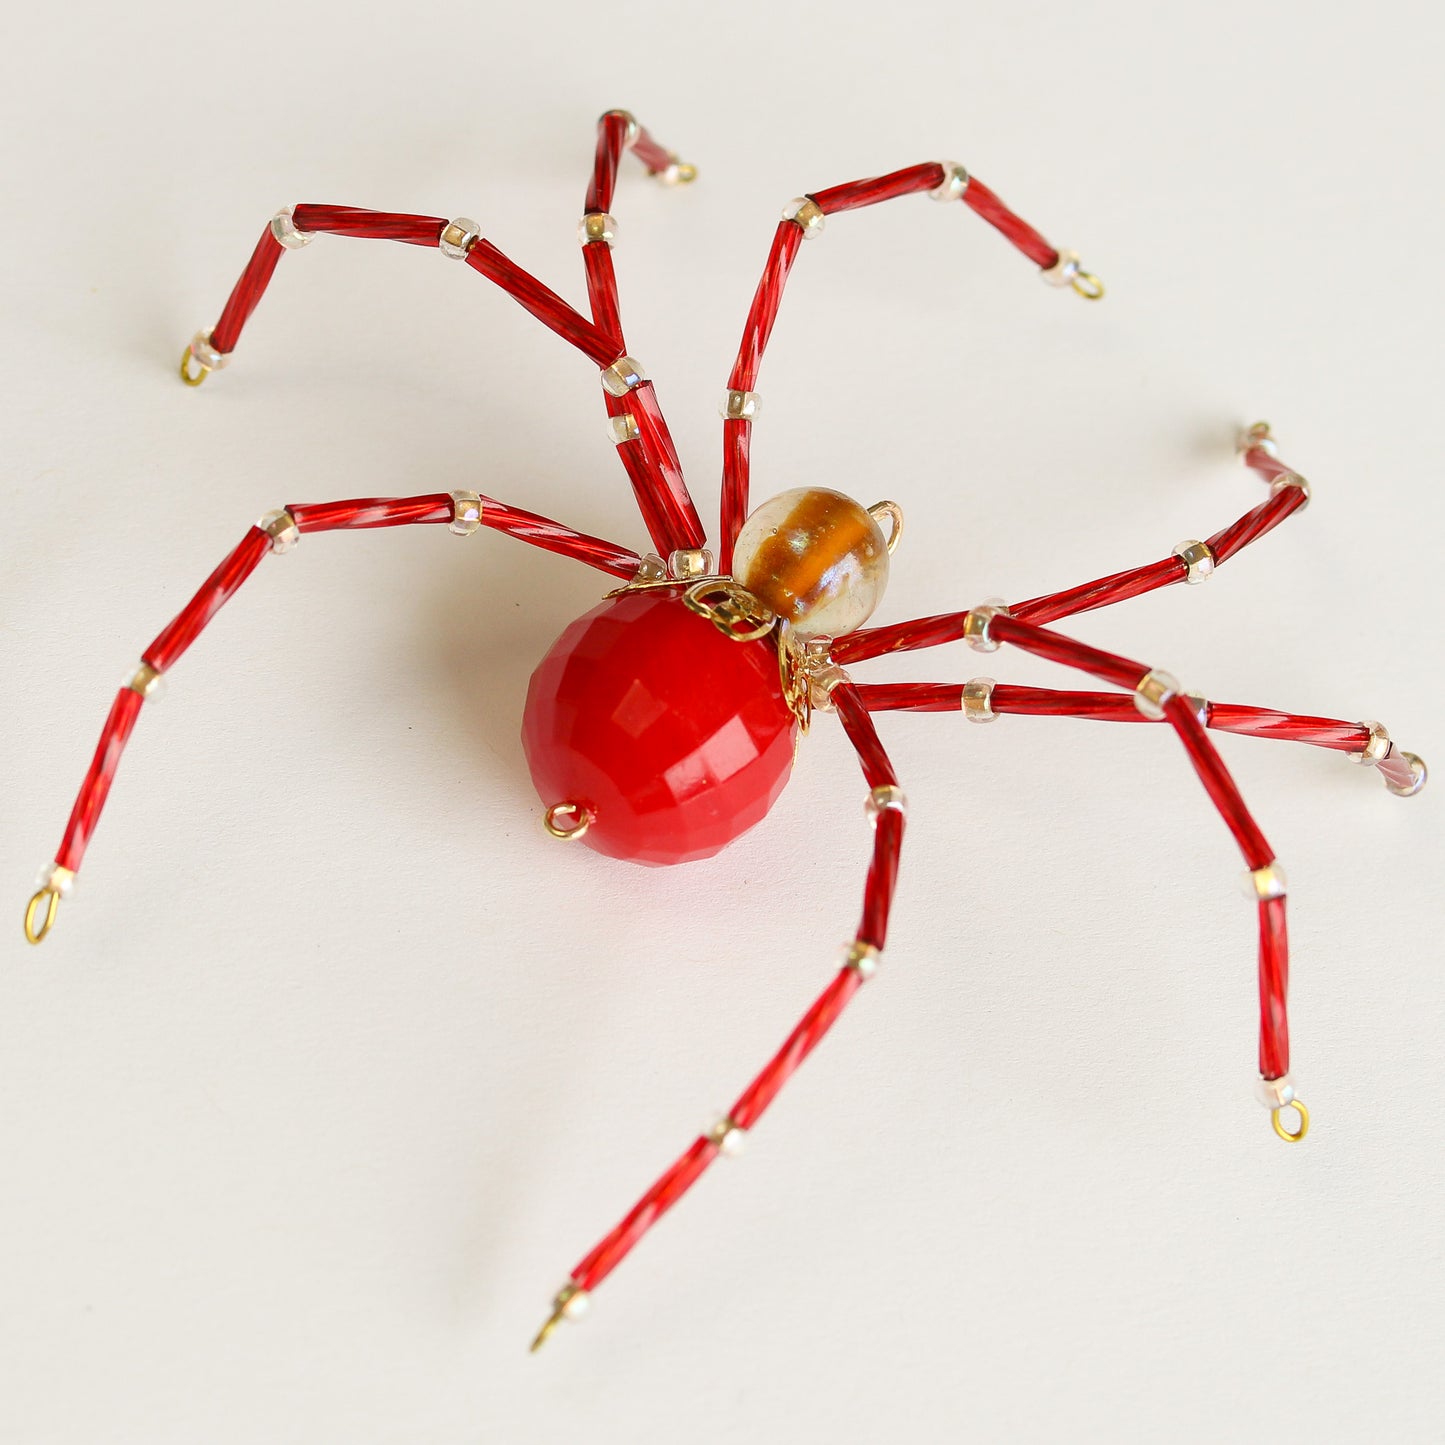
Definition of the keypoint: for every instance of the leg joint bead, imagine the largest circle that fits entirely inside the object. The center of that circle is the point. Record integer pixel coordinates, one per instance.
(1198, 561)
(283, 228)
(466, 513)
(458, 237)
(146, 682)
(623, 428)
(807, 215)
(1263, 884)
(624, 374)
(597, 226)
(727, 1137)
(1376, 749)
(953, 185)
(862, 958)
(884, 797)
(976, 624)
(1152, 691)
(281, 528)
(977, 700)
(1256, 438)
(740, 405)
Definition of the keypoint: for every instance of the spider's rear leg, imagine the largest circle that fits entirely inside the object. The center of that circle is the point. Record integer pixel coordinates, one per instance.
(983, 700)
(1192, 562)
(279, 531)
(1159, 696)
(885, 806)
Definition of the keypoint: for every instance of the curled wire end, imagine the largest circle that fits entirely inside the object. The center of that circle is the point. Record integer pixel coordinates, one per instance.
(567, 821)
(1291, 1136)
(49, 898)
(1088, 285)
(189, 376)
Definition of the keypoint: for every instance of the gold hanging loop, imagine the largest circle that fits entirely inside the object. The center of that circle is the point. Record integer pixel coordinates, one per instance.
(894, 513)
(50, 899)
(567, 820)
(1291, 1136)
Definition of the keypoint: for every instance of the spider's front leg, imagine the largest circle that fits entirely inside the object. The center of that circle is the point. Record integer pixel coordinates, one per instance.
(464, 512)
(885, 806)
(804, 219)
(661, 493)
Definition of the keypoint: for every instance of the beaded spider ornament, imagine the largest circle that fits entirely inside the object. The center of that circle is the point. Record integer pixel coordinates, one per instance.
(663, 723)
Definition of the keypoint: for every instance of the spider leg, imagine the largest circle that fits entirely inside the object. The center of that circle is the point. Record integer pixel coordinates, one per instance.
(1157, 694)
(1191, 562)
(463, 512)
(667, 509)
(802, 220)
(984, 700)
(635, 421)
(860, 959)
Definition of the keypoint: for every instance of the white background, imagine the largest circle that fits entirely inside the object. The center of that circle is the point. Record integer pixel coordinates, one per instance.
(336, 1064)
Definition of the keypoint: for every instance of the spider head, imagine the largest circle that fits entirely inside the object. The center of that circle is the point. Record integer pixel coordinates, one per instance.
(817, 558)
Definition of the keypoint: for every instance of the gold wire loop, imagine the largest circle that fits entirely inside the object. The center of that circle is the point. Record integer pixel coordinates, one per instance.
(555, 820)
(731, 608)
(52, 907)
(1291, 1136)
(187, 376)
(879, 510)
(1088, 285)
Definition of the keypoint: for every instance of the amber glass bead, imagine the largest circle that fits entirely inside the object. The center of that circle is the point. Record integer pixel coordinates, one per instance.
(817, 558)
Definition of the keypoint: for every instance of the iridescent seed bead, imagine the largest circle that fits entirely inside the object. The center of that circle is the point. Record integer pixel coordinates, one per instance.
(727, 1137)
(976, 624)
(624, 373)
(597, 226)
(1276, 1093)
(1263, 884)
(283, 228)
(206, 355)
(740, 405)
(978, 700)
(281, 528)
(953, 185)
(690, 563)
(807, 215)
(1198, 561)
(466, 513)
(1152, 691)
(457, 238)
(862, 958)
(623, 428)
(1064, 271)
(1376, 748)
(145, 681)
(885, 797)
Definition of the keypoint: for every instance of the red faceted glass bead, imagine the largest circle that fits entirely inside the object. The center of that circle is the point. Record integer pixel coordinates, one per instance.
(674, 738)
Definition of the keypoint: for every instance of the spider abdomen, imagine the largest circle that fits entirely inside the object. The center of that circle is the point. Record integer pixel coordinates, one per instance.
(652, 735)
